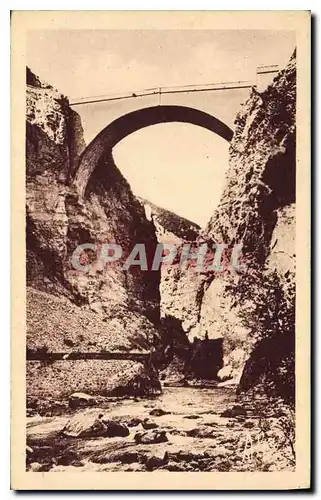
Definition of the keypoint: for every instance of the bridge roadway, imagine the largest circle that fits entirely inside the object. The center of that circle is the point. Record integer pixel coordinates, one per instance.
(221, 100)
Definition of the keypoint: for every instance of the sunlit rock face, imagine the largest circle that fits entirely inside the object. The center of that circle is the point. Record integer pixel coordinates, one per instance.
(282, 246)
(171, 229)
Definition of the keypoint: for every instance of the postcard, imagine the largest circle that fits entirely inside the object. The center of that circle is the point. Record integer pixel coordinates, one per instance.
(160, 250)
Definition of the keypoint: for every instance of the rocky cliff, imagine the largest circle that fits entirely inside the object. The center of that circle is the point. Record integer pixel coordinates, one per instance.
(116, 307)
(257, 210)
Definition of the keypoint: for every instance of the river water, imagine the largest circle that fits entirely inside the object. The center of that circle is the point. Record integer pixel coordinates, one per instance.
(184, 429)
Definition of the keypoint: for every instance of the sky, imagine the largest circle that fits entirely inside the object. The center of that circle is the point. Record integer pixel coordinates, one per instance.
(171, 164)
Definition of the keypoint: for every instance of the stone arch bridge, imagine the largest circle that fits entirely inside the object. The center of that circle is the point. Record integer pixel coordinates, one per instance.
(108, 119)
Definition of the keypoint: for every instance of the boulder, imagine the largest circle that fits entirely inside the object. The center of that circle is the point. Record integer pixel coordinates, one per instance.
(36, 467)
(81, 400)
(126, 457)
(159, 412)
(175, 467)
(154, 462)
(115, 428)
(88, 424)
(236, 411)
(151, 437)
(219, 451)
(202, 432)
(85, 425)
(133, 422)
(186, 456)
(225, 373)
(148, 424)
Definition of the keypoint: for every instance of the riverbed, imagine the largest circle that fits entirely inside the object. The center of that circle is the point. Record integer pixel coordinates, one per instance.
(183, 429)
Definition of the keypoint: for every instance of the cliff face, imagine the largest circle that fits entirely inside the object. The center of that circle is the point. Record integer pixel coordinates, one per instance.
(124, 303)
(170, 227)
(261, 176)
(257, 210)
(58, 220)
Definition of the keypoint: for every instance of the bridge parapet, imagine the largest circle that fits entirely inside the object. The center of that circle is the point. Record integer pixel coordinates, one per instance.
(221, 100)
(160, 91)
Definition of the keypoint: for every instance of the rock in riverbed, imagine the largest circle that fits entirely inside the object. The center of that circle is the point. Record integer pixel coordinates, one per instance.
(81, 400)
(149, 424)
(151, 437)
(158, 412)
(133, 422)
(235, 411)
(154, 462)
(88, 424)
(202, 432)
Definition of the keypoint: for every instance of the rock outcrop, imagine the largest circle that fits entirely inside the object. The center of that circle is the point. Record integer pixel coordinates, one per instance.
(170, 227)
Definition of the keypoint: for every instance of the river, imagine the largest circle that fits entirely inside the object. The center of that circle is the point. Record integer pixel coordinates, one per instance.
(183, 429)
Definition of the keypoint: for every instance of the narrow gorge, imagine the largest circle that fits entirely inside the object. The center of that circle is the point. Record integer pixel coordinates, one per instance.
(113, 352)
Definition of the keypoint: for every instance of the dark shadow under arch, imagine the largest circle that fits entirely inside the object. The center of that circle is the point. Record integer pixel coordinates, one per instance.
(131, 122)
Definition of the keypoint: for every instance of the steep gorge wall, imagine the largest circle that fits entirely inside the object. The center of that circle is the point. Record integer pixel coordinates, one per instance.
(58, 219)
(257, 210)
(119, 307)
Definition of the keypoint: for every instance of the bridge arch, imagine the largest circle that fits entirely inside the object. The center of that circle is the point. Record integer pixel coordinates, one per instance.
(131, 122)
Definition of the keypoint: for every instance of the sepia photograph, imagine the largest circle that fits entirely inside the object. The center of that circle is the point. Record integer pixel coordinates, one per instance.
(159, 291)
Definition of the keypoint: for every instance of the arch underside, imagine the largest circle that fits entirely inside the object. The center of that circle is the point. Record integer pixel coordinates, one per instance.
(120, 128)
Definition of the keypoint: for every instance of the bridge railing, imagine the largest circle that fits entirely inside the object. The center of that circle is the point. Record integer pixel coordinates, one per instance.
(163, 90)
(262, 77)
